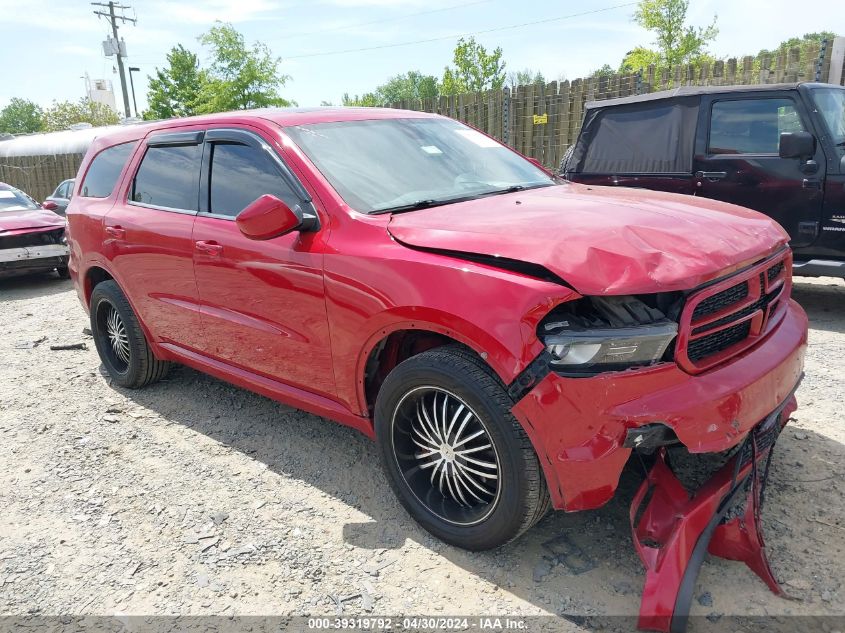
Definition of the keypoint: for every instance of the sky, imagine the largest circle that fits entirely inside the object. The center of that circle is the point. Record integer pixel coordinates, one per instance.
(49, 45)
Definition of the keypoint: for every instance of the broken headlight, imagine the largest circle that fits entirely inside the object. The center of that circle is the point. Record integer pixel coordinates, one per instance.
(598, 334)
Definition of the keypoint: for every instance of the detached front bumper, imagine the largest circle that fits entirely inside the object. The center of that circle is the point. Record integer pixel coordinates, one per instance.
(578, 425)
(25, 259)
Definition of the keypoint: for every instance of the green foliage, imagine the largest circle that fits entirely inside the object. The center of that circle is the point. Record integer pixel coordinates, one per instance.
(174, 91)
(412, 85)
(239, 77)
(800, 42)
(475, 69)
(677, 43)
(604, 71)
(368, 100)
(21, 117)
(525, 77)
(640, 58)
(62, 114)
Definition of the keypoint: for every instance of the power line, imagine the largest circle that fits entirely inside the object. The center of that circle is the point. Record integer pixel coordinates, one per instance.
(457, 35)
(391, 19)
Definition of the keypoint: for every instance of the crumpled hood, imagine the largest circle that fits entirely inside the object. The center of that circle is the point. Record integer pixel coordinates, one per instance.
(600, 240)
(12, 222)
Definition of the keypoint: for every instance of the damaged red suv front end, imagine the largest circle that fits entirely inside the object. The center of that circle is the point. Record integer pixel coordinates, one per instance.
(724, 393)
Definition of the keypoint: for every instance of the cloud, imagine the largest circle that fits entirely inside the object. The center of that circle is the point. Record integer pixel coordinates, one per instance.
(207, 11)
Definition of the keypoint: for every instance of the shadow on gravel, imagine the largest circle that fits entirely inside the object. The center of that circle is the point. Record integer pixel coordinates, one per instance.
(582, 563)
(32, 286)
(824, 304)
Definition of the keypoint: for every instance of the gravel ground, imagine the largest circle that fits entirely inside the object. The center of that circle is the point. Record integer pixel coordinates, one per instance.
(196, 497)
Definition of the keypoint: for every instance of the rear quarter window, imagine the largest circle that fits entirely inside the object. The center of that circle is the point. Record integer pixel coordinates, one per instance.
(104, 171)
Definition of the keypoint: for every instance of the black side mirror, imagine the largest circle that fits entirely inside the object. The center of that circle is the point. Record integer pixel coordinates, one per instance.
(797, 145)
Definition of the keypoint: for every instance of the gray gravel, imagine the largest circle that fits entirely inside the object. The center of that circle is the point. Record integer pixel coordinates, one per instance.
(195, 497)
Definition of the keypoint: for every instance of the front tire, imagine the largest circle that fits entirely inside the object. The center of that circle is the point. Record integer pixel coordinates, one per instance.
(458, 460)
(120, 341)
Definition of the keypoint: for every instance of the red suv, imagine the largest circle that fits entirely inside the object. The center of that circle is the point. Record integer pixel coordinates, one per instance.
(508, 339)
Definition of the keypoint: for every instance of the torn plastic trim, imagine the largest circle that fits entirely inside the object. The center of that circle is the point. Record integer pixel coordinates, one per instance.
(530, 377)
(674, 530)
(649, 437)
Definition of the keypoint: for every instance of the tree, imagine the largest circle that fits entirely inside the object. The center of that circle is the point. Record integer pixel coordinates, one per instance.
(174, 90)
(605, 71)
(21, 117)
(410, 85)
(677, 43)
(62, 114)
(368, 100)
(799, 42)
(525, 77)
(239, 77)
(475, 69)
(639, 59)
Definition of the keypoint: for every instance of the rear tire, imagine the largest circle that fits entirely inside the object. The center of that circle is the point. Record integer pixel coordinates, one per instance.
(120, 341)
(458, 460)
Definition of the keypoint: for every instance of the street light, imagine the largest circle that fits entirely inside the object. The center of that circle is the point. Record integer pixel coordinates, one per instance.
(133, 69)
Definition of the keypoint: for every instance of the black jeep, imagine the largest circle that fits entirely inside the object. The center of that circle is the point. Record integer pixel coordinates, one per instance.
(779, 149)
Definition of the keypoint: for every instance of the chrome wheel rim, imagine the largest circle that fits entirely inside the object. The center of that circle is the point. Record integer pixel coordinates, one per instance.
(114, 339)
(446, 455)
(116, 332)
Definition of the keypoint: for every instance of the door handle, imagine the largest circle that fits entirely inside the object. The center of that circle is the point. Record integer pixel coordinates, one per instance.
(711, 175)
(117, 232)
(809, 183)
(209, 247)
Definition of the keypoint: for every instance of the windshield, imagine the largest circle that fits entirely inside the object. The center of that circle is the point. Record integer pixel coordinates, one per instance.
(831, 104)
(385, 165)
(12, 199)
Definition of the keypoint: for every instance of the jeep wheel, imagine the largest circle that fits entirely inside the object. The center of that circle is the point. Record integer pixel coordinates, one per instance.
(456, 457)
(120, 342)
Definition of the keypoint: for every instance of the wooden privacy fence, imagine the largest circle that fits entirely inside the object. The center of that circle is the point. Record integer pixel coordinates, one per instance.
(39, 175)
(543, 120)
(540, 121)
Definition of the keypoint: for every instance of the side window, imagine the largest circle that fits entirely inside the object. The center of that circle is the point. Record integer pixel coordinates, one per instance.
(240, 174)
(169, 177)
(751, 126)
(61, 191)
(104, 170)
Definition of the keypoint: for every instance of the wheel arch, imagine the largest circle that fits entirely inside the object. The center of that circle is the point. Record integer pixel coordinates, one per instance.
(94, 275)
(404, 338)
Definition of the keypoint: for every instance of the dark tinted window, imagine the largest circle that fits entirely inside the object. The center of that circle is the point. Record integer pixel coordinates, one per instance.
(104, 171)
(650, 138)
(239, 175)
(751, 126)
(169, 177)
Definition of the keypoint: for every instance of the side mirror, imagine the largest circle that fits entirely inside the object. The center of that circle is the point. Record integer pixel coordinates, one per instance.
(49, 205)
(797, 145)
(268, 217)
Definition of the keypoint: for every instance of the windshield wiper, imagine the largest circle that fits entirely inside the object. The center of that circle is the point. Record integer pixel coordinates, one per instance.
(421, 204)
(515, 188)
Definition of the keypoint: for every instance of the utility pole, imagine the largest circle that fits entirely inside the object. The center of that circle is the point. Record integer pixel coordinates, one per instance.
(112, 17)
(133, 69)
